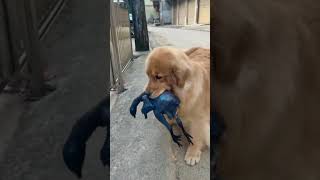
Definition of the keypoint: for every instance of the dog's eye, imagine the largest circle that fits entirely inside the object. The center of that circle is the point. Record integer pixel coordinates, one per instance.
(158, 77)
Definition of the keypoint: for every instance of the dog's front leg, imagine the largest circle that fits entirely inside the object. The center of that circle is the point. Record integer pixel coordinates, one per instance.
(201, 136)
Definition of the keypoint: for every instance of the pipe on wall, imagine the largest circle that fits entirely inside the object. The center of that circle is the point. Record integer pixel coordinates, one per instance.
(196, 12)
(5, 51)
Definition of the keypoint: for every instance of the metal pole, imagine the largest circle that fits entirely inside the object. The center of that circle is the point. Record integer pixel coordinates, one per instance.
(6, 68)
(140, 25)
(196, 13)
(34, 58)
(161, 12)
(178, 13)
(187, 12)
(172, 11)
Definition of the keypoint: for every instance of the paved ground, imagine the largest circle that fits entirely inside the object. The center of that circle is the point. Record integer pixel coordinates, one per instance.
(11, 109)
(196, 27)
(180, 38)
(142, 148)
(32, 135)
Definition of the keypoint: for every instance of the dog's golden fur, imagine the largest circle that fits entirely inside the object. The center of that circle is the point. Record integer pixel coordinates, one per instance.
(187, 75)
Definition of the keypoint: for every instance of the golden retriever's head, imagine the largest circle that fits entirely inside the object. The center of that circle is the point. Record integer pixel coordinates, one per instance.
(167, 69)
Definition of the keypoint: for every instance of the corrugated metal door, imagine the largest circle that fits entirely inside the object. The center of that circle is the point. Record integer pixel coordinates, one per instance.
(204, 12)
(191, 11)
(182, 12)
(174, 12)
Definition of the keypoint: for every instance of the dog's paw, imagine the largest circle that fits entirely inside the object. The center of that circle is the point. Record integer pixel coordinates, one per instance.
(192, 156)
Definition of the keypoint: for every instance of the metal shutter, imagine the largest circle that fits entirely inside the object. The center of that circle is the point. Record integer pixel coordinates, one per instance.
(174, 12)
(191, 11)
(182, 12)
(204, 12)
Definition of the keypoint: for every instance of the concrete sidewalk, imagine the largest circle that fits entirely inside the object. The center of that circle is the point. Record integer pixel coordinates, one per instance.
(76, 52)
(195, 27)
(143, 148)
(179, 38)
(140, 148)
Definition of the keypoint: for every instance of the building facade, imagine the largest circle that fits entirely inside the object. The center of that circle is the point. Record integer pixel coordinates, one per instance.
(152, 11)
(183, 12)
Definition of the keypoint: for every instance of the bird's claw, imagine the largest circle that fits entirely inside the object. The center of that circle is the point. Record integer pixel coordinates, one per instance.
(189, 137)
(133, 112)
(176, 139)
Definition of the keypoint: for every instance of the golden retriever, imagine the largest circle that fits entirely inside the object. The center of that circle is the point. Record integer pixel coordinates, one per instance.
(187, 75)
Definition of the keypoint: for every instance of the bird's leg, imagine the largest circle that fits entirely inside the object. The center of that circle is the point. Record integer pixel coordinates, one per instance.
(135, 103)
(160, 117)
(187, 135)
(147, 106)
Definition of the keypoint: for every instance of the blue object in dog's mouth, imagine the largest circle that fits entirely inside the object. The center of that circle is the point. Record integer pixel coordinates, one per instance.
(165, 104)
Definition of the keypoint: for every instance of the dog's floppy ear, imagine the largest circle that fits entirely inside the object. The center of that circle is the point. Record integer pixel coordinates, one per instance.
(180, 75)
(180, 70)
